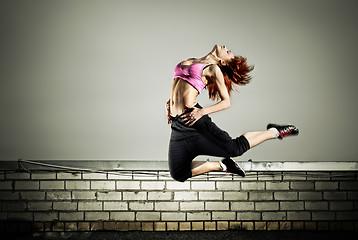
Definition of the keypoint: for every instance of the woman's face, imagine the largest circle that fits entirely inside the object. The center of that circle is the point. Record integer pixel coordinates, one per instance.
(223, 53)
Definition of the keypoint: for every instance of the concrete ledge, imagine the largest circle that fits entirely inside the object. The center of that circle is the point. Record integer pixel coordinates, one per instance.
(113, 165)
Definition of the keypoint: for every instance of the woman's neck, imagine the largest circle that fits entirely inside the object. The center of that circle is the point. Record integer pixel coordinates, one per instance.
(210, 58)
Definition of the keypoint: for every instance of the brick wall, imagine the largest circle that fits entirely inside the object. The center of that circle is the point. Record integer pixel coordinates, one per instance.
(152, 201)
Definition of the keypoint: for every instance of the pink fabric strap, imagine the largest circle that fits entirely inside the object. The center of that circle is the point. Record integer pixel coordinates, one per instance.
(192, 74)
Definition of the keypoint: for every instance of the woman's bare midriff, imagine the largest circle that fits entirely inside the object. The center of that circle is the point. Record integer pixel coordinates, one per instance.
(183, 94)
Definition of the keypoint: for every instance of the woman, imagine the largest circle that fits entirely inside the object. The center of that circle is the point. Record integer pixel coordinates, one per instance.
(193, 132)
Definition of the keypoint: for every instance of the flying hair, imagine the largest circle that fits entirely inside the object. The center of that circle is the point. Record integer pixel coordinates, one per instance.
(236, 72)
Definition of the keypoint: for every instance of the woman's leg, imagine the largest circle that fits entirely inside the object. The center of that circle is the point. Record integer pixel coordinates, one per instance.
(199, 167)
(255, 138)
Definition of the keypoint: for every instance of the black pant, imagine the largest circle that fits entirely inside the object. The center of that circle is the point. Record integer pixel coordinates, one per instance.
(203, 138)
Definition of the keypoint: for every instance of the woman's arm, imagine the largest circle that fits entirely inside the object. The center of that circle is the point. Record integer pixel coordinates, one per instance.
(197, 113)
(224, 94)
(167, 107)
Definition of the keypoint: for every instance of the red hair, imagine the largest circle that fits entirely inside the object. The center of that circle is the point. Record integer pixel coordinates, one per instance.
(236, 72)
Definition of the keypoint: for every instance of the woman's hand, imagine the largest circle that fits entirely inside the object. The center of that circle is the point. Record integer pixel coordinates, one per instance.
(191, 117)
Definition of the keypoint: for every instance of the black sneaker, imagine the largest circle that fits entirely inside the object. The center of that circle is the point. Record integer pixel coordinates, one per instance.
(233, 167)
(284, 130)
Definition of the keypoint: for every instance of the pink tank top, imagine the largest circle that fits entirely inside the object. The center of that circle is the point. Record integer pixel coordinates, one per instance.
(192, 74)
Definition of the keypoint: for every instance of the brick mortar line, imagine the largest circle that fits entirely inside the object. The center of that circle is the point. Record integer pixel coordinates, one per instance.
(56, 214)
(219, 185)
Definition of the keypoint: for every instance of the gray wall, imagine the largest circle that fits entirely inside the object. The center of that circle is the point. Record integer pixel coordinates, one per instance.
(89, 79)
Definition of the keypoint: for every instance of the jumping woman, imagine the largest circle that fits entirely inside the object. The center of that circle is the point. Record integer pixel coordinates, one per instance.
(193, 132)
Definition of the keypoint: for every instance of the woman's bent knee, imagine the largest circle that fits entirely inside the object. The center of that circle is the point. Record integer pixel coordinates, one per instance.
(179, 176)
(240, 146)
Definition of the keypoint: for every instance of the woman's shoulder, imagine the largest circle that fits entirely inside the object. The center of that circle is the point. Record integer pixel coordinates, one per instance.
(188, 61)
(212, 70)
